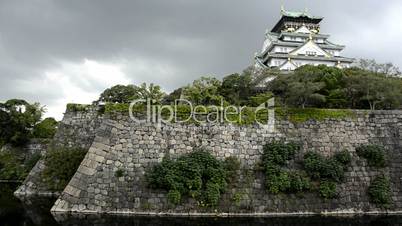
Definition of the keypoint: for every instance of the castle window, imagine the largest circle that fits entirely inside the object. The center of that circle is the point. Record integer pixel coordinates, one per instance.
(311, 53)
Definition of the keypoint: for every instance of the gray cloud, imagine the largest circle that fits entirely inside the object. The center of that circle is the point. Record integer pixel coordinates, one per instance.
(44, 43)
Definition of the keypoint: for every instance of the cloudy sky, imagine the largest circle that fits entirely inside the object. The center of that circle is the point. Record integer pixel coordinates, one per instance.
(55, 51)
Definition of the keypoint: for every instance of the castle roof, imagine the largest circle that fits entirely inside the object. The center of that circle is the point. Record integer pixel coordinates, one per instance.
(295, 14)
(301, 17)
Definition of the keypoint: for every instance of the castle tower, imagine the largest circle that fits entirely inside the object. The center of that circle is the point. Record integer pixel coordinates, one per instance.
(296, 41)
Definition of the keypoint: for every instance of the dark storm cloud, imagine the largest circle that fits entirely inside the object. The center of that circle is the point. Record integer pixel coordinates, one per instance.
(169, 42)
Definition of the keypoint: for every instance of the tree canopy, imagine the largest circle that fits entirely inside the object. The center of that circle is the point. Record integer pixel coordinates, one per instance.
(128, 93)
(329, 87)
(369, 86)
(17, 119)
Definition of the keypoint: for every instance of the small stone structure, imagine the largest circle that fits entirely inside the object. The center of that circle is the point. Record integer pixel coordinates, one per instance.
(118, 143)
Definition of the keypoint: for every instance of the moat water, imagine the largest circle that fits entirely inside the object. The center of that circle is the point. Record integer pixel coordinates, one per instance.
(15, 212)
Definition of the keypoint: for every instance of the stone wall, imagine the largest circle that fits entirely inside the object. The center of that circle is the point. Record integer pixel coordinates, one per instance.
(77, 129)
(134, 147)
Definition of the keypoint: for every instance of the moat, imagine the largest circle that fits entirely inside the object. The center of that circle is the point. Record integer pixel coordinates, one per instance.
(15, 212)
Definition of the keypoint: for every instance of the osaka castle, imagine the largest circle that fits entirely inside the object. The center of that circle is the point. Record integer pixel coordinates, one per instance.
(296, 41)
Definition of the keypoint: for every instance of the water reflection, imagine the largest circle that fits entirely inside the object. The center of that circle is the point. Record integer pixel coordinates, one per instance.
(35, 212)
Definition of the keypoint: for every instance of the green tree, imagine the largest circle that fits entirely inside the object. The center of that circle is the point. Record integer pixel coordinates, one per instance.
(120, 94)
(204, 91)
(128, 93)
(300, 88)
(45, 129)
(152, 92)
(17, 119)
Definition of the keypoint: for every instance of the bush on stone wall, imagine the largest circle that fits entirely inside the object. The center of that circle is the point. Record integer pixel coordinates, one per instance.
(60, 165)
(274, 158)
(374, 154)
(380, 191)
(327, 190)
(327, 171)
(319, 167)
(198, 175)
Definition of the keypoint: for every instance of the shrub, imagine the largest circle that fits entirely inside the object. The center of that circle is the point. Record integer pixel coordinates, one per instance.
(327, 190)
(277, 183)
(198, 175)
(60, 165)
(343, 157)
(379, 191)
(313, 164)
(374, 154)
(275, 155)
(299, 182)
(278, 153)
(332, 169)
(174, 197)
(45, 129)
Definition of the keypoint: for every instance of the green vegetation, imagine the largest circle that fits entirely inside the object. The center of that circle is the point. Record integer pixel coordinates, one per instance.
(61, 164)
(11, 168)
(374, 154)
(198, 175)
(380, 191)
(14, 166)
(128, 93)
(275, 156)
(327, 171)
(31, 162)
(330, 87)
(327, 190)
(71, 107)
(330, 169)
(45, 129)
(17, 119)
(299, 115)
